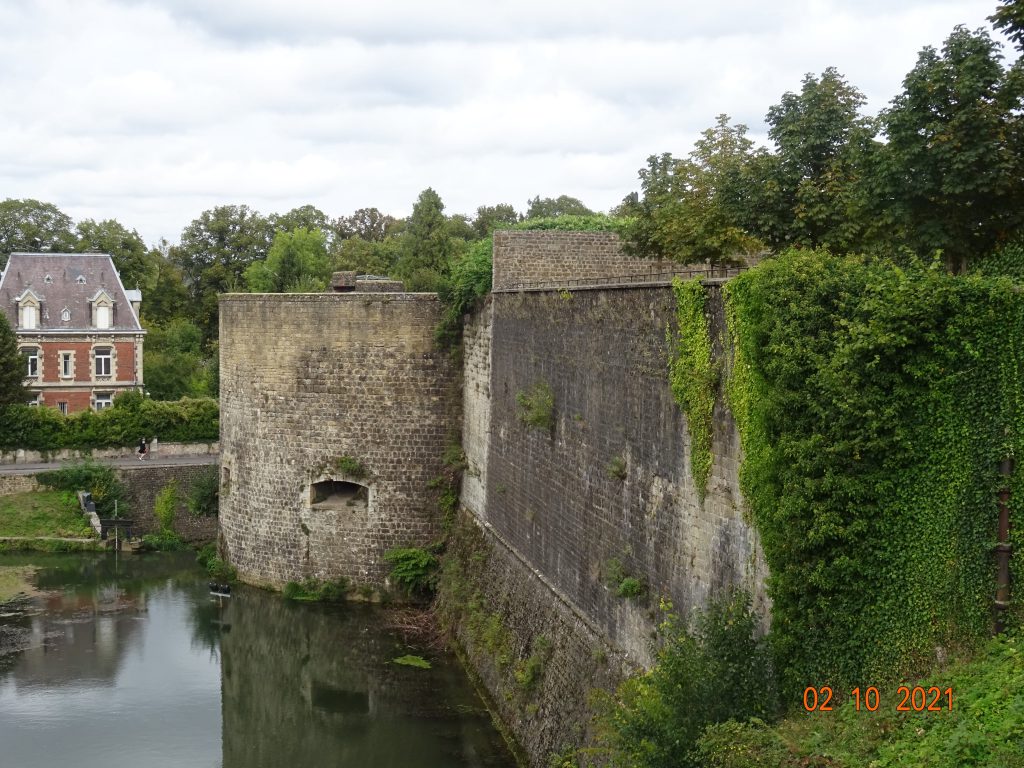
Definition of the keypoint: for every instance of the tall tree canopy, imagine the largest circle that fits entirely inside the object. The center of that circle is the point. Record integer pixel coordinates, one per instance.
(953, 166)
(690, 208)
(427, 245)
(125, 247)
(491, 217)
(214, 252)
(297, 262)
(563, 205)
(29, 225)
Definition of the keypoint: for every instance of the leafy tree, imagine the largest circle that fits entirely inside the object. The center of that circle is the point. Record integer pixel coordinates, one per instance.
(29, 225)
(459, 228)
(214, 252)
(175, 363)
(1009, 18)
(367, 257)
(563, 205)
(12, 367)
(296, 259)
(304, 217)
(426, 243)
(368, 224)
(492, 217)
(691, 208)
(806, 192)
(125, 247)
(952, 166)
(168, 297)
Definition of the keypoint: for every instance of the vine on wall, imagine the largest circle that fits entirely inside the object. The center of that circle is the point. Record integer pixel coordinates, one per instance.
(693, 376)
(874, 405)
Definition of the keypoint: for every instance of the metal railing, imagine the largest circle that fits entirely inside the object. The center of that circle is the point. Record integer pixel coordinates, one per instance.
(658, 278)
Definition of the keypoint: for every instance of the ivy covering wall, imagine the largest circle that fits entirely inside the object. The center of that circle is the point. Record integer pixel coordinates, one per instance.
(693, 376)
(874, 406)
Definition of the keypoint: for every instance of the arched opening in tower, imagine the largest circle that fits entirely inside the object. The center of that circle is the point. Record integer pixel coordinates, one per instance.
(338, 494)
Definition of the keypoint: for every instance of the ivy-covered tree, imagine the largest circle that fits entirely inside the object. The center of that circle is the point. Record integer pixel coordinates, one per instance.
(12, 367)
(953, 164)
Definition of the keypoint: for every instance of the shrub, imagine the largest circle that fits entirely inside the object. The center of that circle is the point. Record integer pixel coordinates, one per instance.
(537, 407)
(46, 429)
(99, 480)
(351, 467)
(165, 506)
(718, 672)
(165, 541)
(219, 570)
(204, 496)
(414, 569)
(740, 745)
(631, 587)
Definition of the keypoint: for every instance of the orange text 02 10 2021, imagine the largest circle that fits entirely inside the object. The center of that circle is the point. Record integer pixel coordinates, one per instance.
(907, 699)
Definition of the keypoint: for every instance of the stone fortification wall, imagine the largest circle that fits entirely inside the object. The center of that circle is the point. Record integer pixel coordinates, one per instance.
(143, 483)
(528, 256)
(308, 380)
(476, 407)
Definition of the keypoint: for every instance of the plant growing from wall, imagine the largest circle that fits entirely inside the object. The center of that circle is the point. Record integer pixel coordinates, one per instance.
(413, 569)
(693, 376)
(204, 496)
(537, 407)
(354, 468)
(312, 590)
(874, 405)
(716, 672)
(165, 507)
(617, 468)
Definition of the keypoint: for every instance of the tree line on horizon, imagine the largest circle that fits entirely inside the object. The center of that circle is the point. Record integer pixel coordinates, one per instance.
(935, 177)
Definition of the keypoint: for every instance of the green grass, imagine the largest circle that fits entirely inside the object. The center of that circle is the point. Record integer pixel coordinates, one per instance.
(985, 728)
(43, 513)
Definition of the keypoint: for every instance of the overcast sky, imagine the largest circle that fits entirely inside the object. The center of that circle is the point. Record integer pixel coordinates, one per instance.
(151, 112)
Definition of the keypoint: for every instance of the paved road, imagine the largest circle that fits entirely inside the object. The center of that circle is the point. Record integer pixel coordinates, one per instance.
(128, 461)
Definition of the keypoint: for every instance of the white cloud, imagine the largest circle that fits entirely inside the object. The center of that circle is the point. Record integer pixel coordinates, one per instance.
(152, 112)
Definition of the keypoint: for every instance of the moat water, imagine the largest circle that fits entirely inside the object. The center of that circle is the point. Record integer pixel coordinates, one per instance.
(130, 661)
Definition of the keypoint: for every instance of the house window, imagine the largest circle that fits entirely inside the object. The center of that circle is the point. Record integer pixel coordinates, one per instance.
(29, 316)
(104, 400)
(48, 280)
(103, 362)
(32, 362)
(102, 317)
(80, 280)
(62, 406)
(34, 401)
(65, 315)
(67, 366)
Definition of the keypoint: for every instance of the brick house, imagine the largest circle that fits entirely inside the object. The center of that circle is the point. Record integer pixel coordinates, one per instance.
(77, 327)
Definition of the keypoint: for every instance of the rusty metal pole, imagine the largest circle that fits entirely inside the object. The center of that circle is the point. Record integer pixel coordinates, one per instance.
(1003, 548)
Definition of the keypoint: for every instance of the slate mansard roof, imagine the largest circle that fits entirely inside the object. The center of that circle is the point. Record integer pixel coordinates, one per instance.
(65, 281)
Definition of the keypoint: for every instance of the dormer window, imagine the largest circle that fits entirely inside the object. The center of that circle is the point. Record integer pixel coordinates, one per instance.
(65, 315)
(48, 280)
(28, 311)
(81, 280)
(102, 310)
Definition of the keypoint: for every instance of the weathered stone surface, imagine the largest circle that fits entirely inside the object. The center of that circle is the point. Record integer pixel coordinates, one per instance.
(526, 256)
(307, 379)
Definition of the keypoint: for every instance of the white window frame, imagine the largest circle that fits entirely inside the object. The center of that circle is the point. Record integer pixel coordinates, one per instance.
(62, 406)
(67, 365)
(107, 354)
(103, 400)
(29, 317)
(103, 316)
(32, 361)
(65, 315)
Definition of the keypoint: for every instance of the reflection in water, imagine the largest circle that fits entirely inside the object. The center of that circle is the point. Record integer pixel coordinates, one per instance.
(304, 682)
(132, 662)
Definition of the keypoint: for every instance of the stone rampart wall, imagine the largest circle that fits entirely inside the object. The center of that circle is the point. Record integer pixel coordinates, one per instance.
(306, 380)
(528, 256)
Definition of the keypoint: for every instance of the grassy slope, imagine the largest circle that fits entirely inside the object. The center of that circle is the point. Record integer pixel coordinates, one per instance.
(985, 728)
(42, 513)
